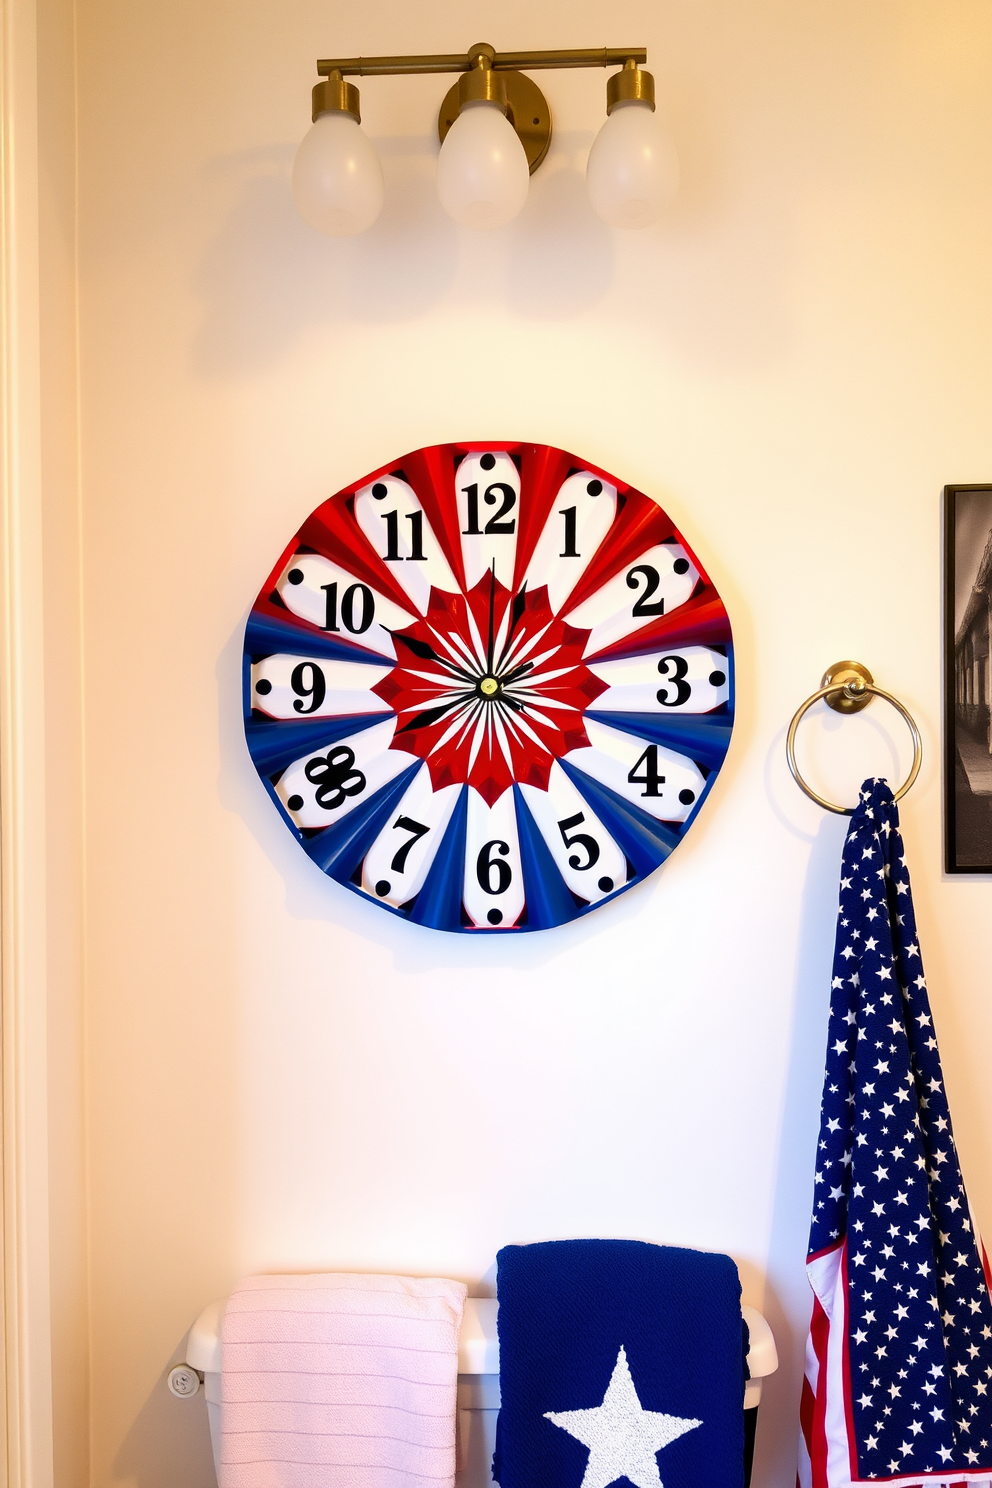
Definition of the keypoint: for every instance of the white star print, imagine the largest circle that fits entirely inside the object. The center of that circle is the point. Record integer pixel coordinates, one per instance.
(623, 1438)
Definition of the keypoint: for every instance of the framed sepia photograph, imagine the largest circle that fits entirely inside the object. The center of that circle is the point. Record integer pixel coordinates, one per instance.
(967, 678)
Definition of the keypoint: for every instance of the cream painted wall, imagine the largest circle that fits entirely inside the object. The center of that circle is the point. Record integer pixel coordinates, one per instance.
(280, 1076)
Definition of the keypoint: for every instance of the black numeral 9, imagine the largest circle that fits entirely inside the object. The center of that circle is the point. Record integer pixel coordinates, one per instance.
(312, 687)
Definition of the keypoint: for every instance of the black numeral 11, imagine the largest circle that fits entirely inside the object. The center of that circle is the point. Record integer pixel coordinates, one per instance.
(392, 521)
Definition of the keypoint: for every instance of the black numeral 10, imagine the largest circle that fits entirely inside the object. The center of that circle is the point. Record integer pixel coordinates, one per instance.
(357, 626)
(392, 521)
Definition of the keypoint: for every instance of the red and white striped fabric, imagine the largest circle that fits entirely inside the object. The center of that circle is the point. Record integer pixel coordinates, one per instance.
(340, 1379)
(898, 1385)
(826, 1418)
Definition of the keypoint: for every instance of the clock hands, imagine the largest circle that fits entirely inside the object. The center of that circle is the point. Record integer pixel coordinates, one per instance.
(492, 605)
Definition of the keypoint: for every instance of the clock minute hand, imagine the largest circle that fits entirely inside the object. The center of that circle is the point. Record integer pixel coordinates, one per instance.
(492, 603)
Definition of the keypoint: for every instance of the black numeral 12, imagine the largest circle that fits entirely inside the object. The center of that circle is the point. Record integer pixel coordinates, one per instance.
(392, 521)
(496, 525)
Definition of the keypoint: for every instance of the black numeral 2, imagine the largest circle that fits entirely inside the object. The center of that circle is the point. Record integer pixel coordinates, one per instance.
(650, 780)
(645, 605)
(392, 521)
(496, 524)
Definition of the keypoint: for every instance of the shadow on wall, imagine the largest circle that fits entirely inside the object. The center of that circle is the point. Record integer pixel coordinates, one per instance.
(169, 1440)
(788, 1292)
(267, 277)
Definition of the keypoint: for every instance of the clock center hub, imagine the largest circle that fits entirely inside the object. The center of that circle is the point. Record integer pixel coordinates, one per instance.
(489, 687)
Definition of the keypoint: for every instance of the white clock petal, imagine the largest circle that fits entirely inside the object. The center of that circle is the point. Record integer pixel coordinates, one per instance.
(323, 786)
(327, 595)
(653, 585)
(488, 494)
(303, 687)
(581, 517)
(391, 516)
(690, 680)
(398, 861)
(494, 880)
(585, 854)
(664, 784)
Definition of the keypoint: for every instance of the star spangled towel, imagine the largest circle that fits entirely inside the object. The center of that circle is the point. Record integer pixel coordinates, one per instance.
(898, 1384)
(618, 1358)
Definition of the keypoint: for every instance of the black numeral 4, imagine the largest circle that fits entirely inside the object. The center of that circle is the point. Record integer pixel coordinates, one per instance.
(650, 780)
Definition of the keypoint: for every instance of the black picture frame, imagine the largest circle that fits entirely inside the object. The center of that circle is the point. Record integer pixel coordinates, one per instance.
(968, 679)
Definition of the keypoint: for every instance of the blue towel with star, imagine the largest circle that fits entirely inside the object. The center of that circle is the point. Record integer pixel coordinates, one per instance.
(898, 1384)
(620, 1363)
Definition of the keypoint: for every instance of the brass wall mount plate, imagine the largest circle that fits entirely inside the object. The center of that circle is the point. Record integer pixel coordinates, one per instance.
(843, 674)
(527, 110)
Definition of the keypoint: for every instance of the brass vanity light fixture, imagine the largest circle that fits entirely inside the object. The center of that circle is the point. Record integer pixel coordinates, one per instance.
(495, 128)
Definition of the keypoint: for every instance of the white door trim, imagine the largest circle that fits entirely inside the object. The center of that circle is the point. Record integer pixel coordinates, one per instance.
(26, 1450)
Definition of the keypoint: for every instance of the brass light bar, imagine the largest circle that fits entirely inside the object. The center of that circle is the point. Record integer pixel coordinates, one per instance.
(463, 61)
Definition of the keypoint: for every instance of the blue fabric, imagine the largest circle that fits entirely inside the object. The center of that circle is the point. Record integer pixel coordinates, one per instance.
(888, 1186)
(566, 1310)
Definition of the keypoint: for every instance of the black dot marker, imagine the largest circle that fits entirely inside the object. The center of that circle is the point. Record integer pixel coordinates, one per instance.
(594, 487)
(379, 491)
(681, 565)
(263, 686)
(295, 803)
(382, 887)
(295, 576)
(605, 885)
(717, 679)
(487, 462)
(495, 917)
(687, 797)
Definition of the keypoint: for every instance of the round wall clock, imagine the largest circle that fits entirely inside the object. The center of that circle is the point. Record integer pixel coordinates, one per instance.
(488, 687)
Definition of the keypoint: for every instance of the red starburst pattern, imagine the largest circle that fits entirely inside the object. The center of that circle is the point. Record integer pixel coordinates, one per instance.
(490, 688)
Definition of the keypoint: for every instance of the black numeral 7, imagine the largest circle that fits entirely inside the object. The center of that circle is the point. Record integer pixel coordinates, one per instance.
(406, 824)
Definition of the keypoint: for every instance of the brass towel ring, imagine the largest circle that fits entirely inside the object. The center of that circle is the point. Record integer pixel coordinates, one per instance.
(849, 687)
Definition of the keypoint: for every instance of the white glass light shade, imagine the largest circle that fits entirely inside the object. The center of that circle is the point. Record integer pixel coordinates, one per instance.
(633, 170)
(482, 170)
(337, 177)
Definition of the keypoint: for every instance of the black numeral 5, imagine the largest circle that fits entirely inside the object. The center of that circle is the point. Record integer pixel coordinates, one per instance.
(579, 839)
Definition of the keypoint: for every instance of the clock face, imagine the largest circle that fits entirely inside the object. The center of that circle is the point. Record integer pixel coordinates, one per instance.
(488, 687)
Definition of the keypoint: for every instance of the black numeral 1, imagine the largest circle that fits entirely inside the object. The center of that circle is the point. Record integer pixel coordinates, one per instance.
(571, 551)
(651, 780)
(473, 529)
(416, 520)
(331, 614)
(392, 521)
